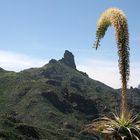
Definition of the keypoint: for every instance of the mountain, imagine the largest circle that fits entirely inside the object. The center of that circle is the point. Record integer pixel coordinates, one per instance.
(139, 86)
(54, 102)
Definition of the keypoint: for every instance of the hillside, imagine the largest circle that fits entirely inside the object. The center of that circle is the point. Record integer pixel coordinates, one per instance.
(54, 102)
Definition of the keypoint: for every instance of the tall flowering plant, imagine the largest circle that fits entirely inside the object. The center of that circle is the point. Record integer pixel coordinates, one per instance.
(125, 125)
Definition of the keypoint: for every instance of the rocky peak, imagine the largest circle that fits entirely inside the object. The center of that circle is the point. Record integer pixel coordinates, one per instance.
(68, 59)
(2, 70)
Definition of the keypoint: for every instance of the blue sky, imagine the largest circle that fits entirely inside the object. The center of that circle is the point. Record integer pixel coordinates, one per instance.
(34, 31)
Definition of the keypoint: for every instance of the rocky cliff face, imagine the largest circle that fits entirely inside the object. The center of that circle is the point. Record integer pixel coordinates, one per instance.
(68, 59)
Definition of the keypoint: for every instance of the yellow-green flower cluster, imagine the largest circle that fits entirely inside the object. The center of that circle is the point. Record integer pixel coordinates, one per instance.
(117, 19)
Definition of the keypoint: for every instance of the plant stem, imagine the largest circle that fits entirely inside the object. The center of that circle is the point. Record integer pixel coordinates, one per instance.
(124, 104)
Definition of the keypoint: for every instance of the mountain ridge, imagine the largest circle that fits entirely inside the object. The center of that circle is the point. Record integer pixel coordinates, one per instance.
(52, 102)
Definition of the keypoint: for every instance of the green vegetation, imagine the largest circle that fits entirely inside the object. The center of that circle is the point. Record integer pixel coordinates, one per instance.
(54, 102)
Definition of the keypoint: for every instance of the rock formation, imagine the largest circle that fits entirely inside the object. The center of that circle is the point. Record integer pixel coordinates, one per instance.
(68, 59)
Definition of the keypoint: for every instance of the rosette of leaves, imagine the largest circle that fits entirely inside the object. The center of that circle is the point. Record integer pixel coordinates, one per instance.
(124, 126)
(116, 127)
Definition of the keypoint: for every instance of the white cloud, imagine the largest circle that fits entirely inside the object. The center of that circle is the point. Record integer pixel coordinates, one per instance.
(108, 72)
(135, 74)
(17, 62)
(103, 71)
